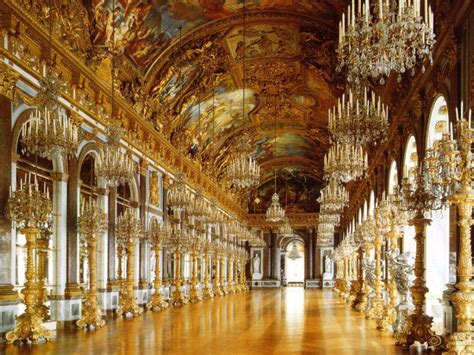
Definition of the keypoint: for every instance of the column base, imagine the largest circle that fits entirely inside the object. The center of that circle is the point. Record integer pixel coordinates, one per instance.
(91, 316)
(29, 328)
(72, 291)
(418, 329)
(65, 310)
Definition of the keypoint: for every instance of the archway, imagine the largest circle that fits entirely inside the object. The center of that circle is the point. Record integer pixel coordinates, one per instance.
(437, 241)
(295, 261)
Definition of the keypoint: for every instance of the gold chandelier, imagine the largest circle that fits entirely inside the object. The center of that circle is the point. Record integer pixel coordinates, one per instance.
(394, 38)
(179, 197)
(275, 213)
(345, 163)
(112, 166)
(358, 119)
(334, 197)
(243, 171)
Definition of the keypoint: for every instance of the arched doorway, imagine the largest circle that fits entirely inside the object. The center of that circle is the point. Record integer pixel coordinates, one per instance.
(295, 262)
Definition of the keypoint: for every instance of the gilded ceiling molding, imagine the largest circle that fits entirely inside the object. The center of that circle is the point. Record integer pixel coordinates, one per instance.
(8, 79)
(90, 92)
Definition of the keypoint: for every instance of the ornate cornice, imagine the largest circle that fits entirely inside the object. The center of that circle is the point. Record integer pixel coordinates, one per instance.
(89, 92)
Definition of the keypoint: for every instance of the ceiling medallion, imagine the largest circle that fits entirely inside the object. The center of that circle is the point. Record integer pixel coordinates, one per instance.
(394, 37)
(359, 118)
(345, 163)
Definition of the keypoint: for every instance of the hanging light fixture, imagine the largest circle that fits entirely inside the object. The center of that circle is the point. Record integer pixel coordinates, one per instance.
(275, 213)
(345, 163)
(285, 228)
(49, 133)
(334, 196)
(243, 171)
(294, 253)
(359, 118)
(179, 197)
(394, 38)
(112, 166)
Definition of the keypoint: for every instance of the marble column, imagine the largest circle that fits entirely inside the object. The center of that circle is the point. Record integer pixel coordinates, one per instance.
(102, 256)
(112, 284)
(72, 284)
(143, 255)
(310, 255)
(275, 258)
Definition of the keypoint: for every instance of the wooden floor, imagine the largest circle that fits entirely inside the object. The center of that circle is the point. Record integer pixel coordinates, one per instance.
(290, 320)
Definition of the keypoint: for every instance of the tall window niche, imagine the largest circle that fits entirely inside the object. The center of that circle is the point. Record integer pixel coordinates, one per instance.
(437, 233)
(410, 164)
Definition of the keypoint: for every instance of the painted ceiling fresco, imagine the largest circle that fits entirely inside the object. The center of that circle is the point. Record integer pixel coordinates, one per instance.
(146, 27)
(296, 189)
(192, 59)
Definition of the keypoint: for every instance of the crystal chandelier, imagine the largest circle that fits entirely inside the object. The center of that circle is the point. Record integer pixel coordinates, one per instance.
(49, 133)
(345, 163)
(201, 207)
(294, 253)
(275, 213)
(243, 171)
(285, 228)
(334, 196)
(393, 38)
(326, 228)
(179, 197)
(112, 166)
(360, 118)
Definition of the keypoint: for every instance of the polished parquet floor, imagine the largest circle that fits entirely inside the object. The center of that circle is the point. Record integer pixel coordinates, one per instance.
(290, 320)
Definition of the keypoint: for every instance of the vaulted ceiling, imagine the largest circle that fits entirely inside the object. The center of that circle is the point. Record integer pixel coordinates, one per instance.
(188, 59)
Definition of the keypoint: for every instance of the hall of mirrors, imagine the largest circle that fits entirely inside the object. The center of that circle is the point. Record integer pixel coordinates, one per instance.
(173, 166)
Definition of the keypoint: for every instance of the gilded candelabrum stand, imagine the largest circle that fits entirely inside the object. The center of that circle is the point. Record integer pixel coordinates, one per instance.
(157, 236)
(196, 245)
(92, 222)
(129, 229)
(42, 257)
(375, 310)
(207, 292)
(454, 168)
(420, 195)
(30, 209)
(219, 265)
(179, 243)
(361, 290)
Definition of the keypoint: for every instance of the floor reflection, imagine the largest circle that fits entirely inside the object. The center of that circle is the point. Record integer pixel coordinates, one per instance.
(264, 321)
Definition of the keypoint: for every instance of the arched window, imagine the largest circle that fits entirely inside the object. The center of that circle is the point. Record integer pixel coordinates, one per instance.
(392, 177)
(410, 163)
(437, 241)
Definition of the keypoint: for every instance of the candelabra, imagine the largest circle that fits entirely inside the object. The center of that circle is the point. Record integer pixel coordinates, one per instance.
(129, 230)
(42, 242)
(30, 210)
(389, 219)
(243, 171)
(195, 246)
(120, 247)
(358, 119)
(207, 292)
(220, 252)
(420, 196)
(179, 244)
(361, 284)
(112, 166)
(200, 209)
(375, 309)
(391, 39)
(453, 169)
(157, 236)
(92, 222)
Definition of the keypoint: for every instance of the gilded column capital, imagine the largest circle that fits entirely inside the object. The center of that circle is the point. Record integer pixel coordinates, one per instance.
(8, 79)
(58, 176)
